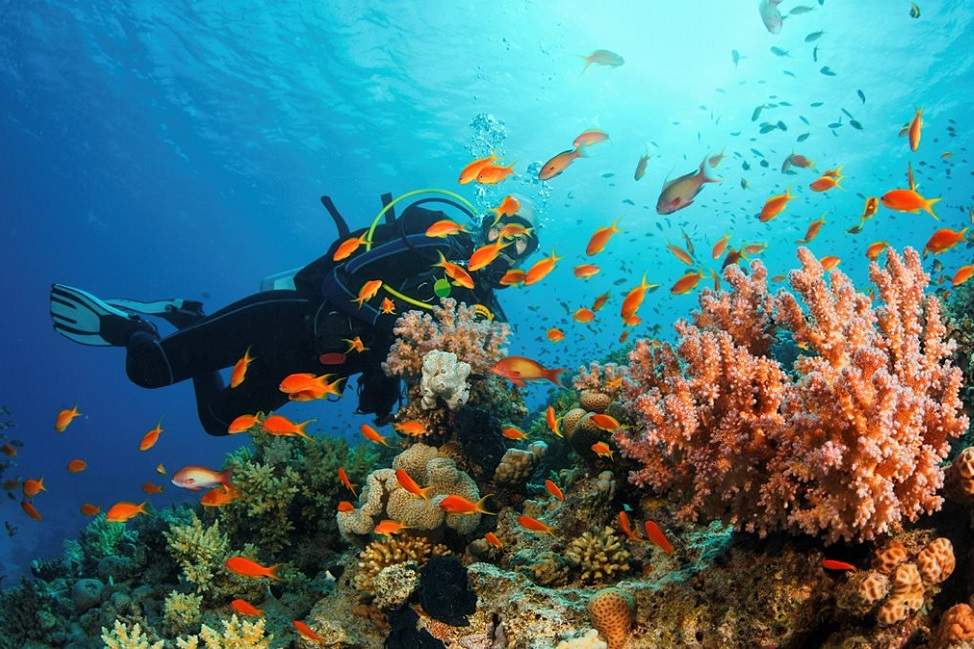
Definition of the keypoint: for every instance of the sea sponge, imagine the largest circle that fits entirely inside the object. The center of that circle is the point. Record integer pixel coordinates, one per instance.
(235, 635)
(611, 611)
(888, 557)
(589, 640)
(936, 561)
(517, 464)
(594, 401)
(181, 612)
(906, 598)
(199, 551)
(444, 377)
(381, 554)
(601, 556)
(959, 480)
(123, 637)
(957, 625)
(394, 585)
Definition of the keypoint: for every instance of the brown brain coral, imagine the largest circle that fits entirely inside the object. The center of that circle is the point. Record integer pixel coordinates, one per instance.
(936, 561)
(601, 556)
(957, 625)
(400, 549)
(611, 610)
(889, 556)
(960, 477)
(906, 598)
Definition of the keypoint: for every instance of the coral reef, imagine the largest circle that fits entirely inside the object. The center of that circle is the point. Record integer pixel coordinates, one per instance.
(236, 634)
(394, 585)
(611, 610)
(381, 554)
(444, 377)
(121, 636)
(589, 640)
(849, 449)
(444, 592)
(959, 482)
(181, 612)
(600, 556)
(956, 626)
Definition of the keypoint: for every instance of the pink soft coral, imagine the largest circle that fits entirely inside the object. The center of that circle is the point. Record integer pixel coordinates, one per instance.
(850, 449)
(450, 328)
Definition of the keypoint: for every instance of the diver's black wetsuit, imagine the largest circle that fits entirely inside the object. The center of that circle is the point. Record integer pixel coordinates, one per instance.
(289, 330)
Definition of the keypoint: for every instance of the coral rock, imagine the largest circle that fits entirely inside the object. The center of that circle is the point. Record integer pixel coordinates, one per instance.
(594, 401)
(936, 561)
(906, 598)
(612, 612)
(394, 585)
(601, 556)
(86, 593)
(590, 640)
(444, 377)
(957, 625)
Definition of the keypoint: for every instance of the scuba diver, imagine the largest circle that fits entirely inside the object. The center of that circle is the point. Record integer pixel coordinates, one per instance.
(301, 321)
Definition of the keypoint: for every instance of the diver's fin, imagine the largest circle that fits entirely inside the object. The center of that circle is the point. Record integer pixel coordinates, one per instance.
(86, 319)
(336, 216)
(391, 212)
(177, 312)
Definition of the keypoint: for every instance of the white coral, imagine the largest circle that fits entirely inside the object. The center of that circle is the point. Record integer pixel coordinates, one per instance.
(444, 376)
(590, 640)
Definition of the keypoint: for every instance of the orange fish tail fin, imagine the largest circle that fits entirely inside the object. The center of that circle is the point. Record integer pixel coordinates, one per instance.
(141, 507)
(225, 476)
(704, 178)
(272, 572)
(928, 207)
(300, 428)
(552, 375)
(424, 493)
(580, 151)
(480, 506)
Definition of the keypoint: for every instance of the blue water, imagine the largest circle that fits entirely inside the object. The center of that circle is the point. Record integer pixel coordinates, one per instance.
(159, 149)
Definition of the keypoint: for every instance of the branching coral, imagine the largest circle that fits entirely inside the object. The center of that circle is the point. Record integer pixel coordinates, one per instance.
(199, 551)
(601, 556)
(451, 328)
(849, 449)
(124, 637)
(181, 612)
(378, 555)
(236, 634)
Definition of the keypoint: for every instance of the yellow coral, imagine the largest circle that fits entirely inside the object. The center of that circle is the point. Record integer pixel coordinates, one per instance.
(181, 611)
(235, 635)
(199, 551)
(398, 549)
(600, 556)
(123, 637)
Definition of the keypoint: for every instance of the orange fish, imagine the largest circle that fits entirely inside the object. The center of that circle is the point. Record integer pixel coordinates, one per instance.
(493, 174)
(715, 278)
(916, 128)
(349, 246)
(720, 247)
(514, 230)
(243, 423)
(485, 255)
(777, 279)
(875, 249)
(518, 370)
(872, 204)
(554, 490)
(411, 428)
(406, 482)
(305, 382)
(605, 422)
(388, 306)
(680, 254)
(9, 449)
(244, 607)
(800, 161)
(557, 164)
(307, 633)
(534, 525)
(834, 173)
(963, 274)
(943, 240)
(657, 537)
(160, 469)
(813, 229)
(470, 172)
(460, 276)
(315, 393)
(583, 315)
(33, 487)
(345, 507)
(513, 277)
(540, 269)
(514, 433)
(454, 504)
(281, 426)
(493, 541)
(149, 439)
(388, 527)
(686, 283)
(87, 509)
(590, 137)
(444, 228)
(552, 421)
(586, 271)
(239, 372)
(825, 183)
(631, 320)
(623, 336)
(123, 511)
(368, 291)
(832, 564)
(829, 262)
(245, 567)
(634, 298)
(908, 200)
(64, 418)
(343, 478)
(355, 345)
(31, 511)
(600, 238)
(77, 466)
(555, 334)
(151, 488)
(602, 450)
(774, 206)
(626, 526)
(508, 207)
(373, 435)
(600, 301)
(219, 496)
(195, 478)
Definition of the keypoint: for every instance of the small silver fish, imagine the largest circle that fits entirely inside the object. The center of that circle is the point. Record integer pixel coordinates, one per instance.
(770, 15)
(641, 166)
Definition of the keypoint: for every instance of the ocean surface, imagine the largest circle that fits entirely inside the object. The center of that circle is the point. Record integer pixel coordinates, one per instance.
(156, 149)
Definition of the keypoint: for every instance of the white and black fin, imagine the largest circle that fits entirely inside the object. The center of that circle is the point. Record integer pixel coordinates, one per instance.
(177, 312)
(86, 319)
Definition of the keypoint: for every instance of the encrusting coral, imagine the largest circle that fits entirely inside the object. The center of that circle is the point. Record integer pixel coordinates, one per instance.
(850, 449)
